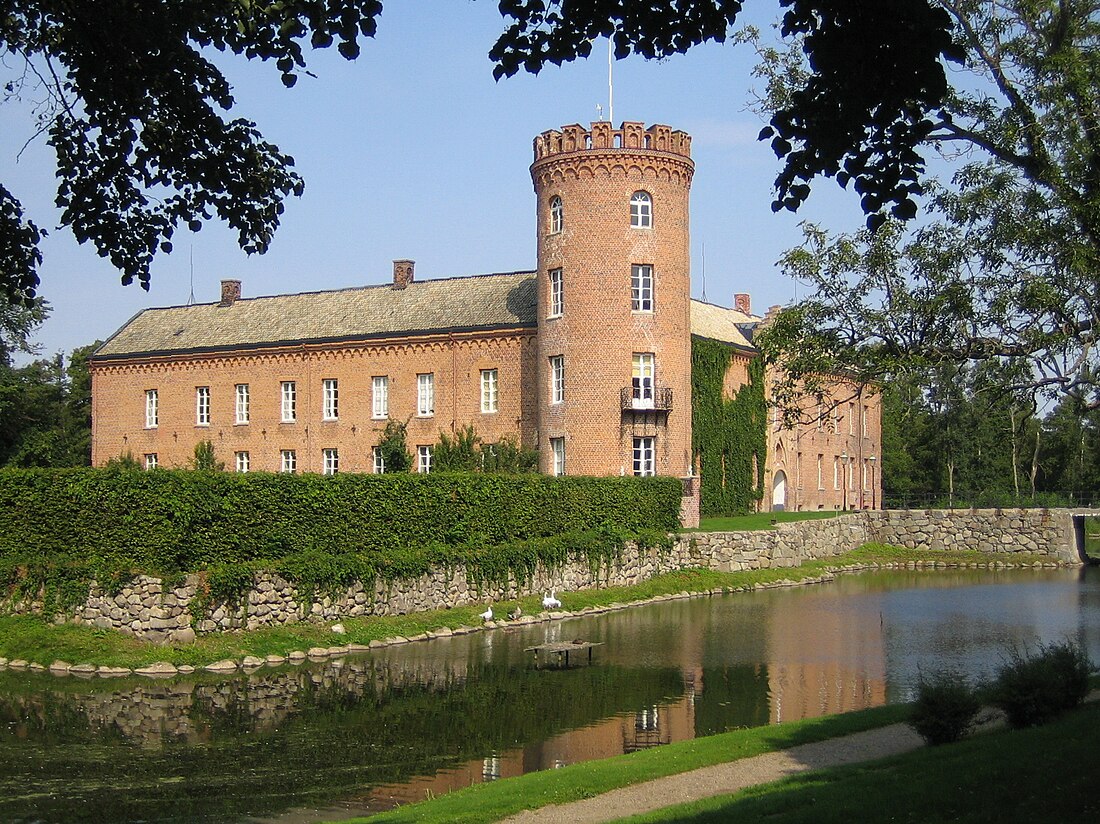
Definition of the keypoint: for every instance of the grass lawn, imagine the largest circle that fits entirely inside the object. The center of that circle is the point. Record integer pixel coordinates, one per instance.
(34, 639)
(1044, 773)
(758, 520)
(497, 799)
(1092, 537)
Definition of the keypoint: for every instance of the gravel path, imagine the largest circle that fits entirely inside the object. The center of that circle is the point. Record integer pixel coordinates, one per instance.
(726, 778)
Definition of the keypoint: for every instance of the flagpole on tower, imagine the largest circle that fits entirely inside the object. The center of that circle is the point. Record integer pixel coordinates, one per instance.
(610, 85)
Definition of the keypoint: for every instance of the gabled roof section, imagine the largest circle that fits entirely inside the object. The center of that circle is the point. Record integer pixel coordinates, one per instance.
(477, 302)
(722, 324)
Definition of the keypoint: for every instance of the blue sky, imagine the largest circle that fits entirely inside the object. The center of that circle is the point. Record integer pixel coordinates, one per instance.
(414, 151)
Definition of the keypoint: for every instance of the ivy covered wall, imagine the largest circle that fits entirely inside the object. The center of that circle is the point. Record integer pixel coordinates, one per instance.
(729, 436)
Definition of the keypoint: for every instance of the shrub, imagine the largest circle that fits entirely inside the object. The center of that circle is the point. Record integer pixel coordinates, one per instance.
(1033, 690)
(945, 708)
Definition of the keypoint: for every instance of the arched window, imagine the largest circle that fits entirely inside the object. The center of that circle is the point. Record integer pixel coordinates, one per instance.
(555, 215)
(641, 210)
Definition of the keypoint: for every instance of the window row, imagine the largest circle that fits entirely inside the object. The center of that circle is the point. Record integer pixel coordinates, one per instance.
(844, 472)
(330, 399)
(642, 379)
(330, 460)
(641, 212)
(834, 423)
(644, 462)
(641, 290)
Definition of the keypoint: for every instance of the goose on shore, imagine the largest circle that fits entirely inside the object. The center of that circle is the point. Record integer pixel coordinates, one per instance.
(550, 602)
(488, 614)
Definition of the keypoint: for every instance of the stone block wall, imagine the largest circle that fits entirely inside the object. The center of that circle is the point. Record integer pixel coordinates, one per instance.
(149, 609)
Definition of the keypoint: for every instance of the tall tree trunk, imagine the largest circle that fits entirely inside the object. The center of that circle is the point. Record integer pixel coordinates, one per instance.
(1035, 460)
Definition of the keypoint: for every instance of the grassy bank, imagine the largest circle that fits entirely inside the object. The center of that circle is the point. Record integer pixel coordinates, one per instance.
(36, 640)
(492, 801)
(1051, 780)
(758, 520)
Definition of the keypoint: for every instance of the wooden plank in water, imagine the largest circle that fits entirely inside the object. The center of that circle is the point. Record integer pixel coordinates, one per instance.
(562, 649)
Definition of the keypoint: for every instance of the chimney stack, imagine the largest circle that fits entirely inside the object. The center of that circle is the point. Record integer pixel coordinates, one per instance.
(231, 292)
(742, 302)
(402, 273)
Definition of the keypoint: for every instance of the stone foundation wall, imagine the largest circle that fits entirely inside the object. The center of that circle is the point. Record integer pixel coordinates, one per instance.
(148, 609)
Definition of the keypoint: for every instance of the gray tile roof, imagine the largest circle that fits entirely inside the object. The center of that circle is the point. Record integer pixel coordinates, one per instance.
(470, 303)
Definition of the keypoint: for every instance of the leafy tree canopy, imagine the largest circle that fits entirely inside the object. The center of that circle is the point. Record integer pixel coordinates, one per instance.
(137, 117)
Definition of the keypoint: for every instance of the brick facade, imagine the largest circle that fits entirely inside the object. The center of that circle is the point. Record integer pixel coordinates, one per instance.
(608, 200)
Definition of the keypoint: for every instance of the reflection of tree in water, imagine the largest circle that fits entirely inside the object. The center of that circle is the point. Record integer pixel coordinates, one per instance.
(221, 750)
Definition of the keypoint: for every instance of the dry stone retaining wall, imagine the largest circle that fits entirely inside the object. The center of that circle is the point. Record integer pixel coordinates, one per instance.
(148, 609)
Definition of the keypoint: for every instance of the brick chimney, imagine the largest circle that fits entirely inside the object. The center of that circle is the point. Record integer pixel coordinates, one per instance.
(402, 273)
(231, 292)
(742, 302)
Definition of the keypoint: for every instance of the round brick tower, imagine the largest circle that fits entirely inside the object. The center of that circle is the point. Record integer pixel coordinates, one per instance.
(614, 340)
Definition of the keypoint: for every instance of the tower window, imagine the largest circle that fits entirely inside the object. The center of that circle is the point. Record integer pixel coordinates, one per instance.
(642, 380)
(641, 288)
(202, 406)
(152, 414)
(289, 402)
(557, 303)
(557, 446)
(644, 457)
(330, 461)
(557, 378)
(556, 215)
(425, 394)
(641, 211)
(330, 408)
(242, 403)
(488, 390)
(380, 396)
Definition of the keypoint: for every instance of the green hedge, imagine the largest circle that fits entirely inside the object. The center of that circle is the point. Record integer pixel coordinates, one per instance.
(174, 521)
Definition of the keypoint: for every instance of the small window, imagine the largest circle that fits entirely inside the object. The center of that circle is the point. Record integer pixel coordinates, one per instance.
(836, 472)
(379, 461)
(242, 403)
(425, 395)
(556, 302)
(642, 380)
(644, 457)
(641, 288)
(288, 461)
(557, 379)
(641, 210)
(820, 471)
(424, 459)
(330, 399)
(243, 461)
(488, 390)
(150, 460)
(863, 422)
(851, 419)
(557, 446)
(152, 409)
(289, 402)
(380, 396)
(202, 406)
(556, 215)
(330, 461)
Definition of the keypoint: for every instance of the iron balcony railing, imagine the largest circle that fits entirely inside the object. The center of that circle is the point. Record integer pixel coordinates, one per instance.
(645, 399)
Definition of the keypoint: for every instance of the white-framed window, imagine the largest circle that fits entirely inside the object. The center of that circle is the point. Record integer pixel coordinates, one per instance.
(820, 416)
(557, 378)
(557, 302)
(330, 461)
(424, 459)
(425, 395)
(380, 396)
(557, 447)
(202, 406)
(851, 419)
(836, 421)
(288, 461)
(641, 380)
(379, 460)
(644, 464)
(820, 472)
(289, 402)
(152, 409)
(150, 460)
(556, 215)
(330, 399)
(641, 210)
(641, 288)
(836, 472)
(242, 403)
(489, 396)
(863, 422)
(243, 461)
(863, 476)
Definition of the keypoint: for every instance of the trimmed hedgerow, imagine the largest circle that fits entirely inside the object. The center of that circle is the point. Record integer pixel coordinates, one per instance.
(77, 523)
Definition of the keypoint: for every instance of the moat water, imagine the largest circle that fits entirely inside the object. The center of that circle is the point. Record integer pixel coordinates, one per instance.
(366, 732)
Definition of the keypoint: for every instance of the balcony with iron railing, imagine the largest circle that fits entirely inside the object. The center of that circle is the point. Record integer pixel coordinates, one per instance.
(645, 398)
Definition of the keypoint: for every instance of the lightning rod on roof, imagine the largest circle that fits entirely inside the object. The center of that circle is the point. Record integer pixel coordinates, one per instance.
(191, 297)
(704, 273)
(610, 85)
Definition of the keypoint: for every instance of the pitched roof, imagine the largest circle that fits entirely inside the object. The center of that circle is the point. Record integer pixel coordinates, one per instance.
(722, 324)
(478, 302)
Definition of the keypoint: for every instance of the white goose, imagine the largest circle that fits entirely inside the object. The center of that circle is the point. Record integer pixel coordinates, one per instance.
(488, 614)
(550, 602)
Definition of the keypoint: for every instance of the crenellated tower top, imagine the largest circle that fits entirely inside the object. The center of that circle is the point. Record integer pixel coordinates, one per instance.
(629, 135)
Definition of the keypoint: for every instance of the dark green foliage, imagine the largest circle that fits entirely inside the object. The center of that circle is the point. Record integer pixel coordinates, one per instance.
(508, 456)
(394, 447)
(205, 460)
(322, 531)
(1038, 688)
(945, 708)
(466, 452)
(728, 436)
